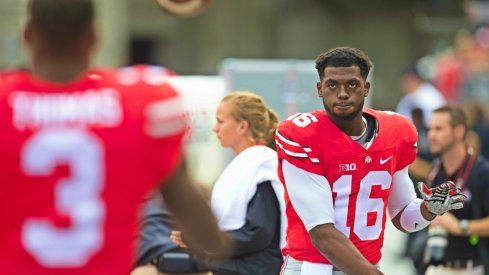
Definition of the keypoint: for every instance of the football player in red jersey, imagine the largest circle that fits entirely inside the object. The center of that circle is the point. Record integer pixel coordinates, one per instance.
(80, 147)
(343, 168)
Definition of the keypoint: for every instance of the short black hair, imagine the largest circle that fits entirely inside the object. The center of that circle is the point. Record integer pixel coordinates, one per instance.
(343, 57)
(61, 19)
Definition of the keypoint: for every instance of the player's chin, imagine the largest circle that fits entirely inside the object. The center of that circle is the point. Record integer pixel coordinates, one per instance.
(348, 114)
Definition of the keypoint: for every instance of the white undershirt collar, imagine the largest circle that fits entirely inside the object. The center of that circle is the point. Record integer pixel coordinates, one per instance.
(355, 138)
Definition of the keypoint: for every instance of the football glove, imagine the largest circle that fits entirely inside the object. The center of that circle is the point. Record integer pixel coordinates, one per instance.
(442, 198)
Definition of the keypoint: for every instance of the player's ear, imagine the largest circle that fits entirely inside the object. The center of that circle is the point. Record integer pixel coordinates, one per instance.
(366, 88)
(318, 88)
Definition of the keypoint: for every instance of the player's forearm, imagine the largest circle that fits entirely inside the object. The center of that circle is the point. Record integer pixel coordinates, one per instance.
(426, 213)
(194, 215)
(340, 251)
(414, 217)
(199, 227)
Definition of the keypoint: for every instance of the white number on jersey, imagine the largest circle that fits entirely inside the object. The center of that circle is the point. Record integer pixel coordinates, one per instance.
(364, 204)
(77, 196)
(302, 119)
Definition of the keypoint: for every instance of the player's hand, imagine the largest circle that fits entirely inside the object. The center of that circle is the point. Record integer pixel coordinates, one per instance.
(445, 197)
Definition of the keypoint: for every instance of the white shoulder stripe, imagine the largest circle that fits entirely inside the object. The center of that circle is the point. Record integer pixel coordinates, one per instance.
(290, 142)
(298, 155)
(292, 154)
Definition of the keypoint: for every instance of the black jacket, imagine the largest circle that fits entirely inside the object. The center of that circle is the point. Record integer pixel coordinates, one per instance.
(257, 243)
(475, 207)
(155, 225)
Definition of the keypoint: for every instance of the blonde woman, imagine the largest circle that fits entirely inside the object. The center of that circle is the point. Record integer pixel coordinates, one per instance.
(247, 199)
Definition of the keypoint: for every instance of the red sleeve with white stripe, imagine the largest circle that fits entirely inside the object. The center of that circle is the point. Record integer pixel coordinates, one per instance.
(297, 145)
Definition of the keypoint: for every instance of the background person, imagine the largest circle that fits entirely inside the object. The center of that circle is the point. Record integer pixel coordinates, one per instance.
(342, 167)
(80, 148)
(247, 199)
(467, 249)
(418, 94)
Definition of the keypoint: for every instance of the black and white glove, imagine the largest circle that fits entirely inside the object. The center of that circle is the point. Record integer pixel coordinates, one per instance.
(442, 198)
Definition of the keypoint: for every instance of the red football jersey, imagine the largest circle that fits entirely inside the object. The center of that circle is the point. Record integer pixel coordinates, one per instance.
(76, 161)
(360, 178)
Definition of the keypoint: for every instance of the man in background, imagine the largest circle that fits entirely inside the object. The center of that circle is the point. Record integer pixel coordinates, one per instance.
(467, 249)
(80, 148)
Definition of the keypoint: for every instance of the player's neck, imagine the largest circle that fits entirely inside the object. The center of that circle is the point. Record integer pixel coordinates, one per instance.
(60, 70)
(354, 127)
(453, 158)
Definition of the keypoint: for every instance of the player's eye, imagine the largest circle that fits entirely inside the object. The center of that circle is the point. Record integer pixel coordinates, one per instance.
(331, 85)
(352, 85)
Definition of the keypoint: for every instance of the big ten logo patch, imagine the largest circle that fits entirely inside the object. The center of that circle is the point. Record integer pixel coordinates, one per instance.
(348, 167)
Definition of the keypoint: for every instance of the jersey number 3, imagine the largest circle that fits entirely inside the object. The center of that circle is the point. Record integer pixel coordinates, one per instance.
(77, 196)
